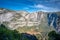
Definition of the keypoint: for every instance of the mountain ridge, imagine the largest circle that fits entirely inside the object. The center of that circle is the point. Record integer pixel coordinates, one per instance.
(24, 18)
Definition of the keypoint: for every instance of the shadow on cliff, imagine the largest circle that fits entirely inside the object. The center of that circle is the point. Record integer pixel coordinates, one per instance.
(25, 36)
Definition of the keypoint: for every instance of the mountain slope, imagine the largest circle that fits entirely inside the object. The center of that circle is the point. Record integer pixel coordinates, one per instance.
(16, 19)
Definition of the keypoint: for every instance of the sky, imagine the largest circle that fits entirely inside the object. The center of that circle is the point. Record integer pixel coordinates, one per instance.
(31, 5)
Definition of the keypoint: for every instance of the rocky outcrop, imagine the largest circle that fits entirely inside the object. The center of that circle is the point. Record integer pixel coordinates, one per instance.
(15, 19)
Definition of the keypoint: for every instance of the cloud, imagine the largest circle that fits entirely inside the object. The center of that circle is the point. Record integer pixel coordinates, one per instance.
(40, 6)
(45, 8)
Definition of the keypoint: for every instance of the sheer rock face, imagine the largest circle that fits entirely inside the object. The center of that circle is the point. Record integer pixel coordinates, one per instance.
(18, 19)
(24, 19)
(6, 15)
(58, 23)
(54, 20)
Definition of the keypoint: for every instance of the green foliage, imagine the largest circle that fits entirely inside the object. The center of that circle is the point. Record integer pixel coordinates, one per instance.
(6, 34)
(54, 36)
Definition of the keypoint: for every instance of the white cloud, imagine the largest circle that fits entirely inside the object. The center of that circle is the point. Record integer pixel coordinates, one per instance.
(40, 6)
(45, 8)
